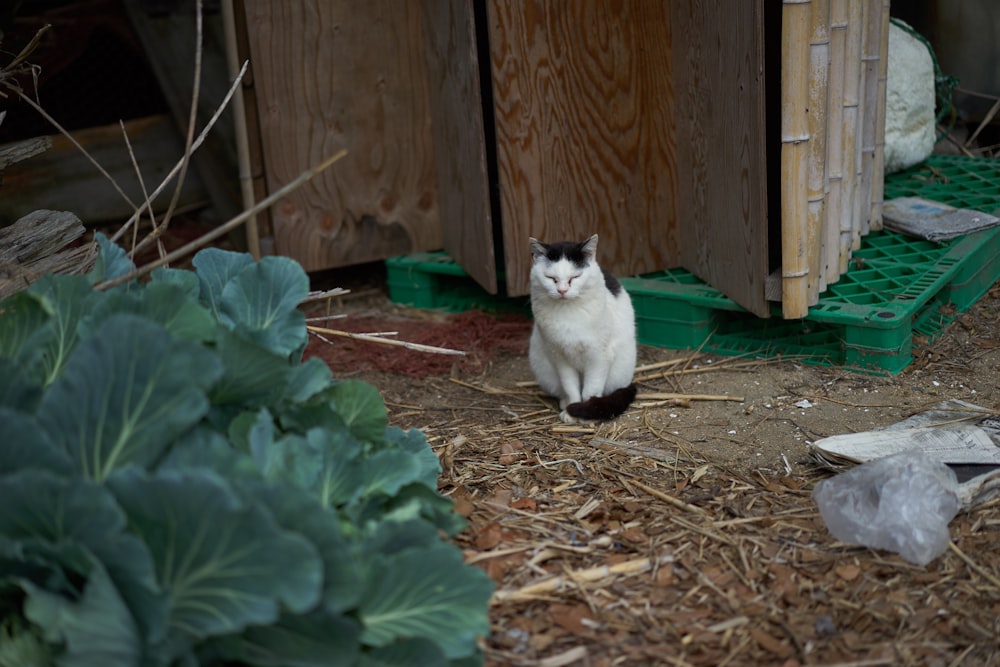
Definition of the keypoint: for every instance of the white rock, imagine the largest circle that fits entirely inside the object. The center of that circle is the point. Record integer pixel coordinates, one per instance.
(909, 102)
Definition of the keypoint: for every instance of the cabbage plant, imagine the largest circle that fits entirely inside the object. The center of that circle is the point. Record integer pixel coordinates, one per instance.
(177, 487)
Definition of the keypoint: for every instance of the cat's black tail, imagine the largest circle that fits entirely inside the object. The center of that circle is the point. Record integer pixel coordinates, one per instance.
(603, 408)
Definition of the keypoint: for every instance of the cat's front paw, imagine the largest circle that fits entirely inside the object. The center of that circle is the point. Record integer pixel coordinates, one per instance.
(567, 418)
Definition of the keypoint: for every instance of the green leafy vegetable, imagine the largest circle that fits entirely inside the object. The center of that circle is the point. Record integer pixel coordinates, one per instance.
(225, 563)
(112, 261)
(126, 394)
(262, 302)
(361, 408)
(96, 628)
(404, 598)
(178, 488)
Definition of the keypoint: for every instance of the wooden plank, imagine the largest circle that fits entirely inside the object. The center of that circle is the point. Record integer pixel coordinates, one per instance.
(332, 74)
(63, 179)
(36, 245)
(721, 195)
(17, 151)
(584, 111)
(456, 103)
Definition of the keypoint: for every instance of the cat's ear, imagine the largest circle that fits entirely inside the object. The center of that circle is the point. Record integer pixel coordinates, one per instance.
(590, 247)
(537, 248)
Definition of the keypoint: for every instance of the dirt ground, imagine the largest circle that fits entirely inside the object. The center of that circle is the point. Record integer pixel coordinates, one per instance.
(684, 533)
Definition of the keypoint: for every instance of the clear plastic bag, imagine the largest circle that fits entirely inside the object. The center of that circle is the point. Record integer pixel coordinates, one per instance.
(902, 503)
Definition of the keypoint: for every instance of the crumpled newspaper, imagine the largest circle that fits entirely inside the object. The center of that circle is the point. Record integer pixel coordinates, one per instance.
(933, 220)
(902, 503)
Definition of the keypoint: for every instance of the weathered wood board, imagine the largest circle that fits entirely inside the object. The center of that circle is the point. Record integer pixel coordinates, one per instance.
(37, 244)
(456, 102)
(332, 74)
(584, 104)
(63, 178)
(720, 102)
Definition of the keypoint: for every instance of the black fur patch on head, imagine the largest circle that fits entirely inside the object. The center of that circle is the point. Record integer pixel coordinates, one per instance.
(573, 252)
(612, 283)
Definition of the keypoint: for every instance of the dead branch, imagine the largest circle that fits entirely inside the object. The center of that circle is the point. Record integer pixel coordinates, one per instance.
(373, 338)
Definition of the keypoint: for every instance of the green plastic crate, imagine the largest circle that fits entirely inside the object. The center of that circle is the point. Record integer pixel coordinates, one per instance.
(433, 281)
(896, 286)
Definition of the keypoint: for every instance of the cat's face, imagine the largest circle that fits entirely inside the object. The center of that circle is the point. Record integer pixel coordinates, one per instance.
(563, 269)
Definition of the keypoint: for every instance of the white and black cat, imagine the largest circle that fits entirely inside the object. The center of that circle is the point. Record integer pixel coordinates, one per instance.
(583, 341)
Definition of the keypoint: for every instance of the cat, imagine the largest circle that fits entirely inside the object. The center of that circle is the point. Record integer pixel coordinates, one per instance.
(583, 347)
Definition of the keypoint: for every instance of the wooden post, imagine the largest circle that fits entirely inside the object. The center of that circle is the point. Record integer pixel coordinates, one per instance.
(834, 142)
(819, 68)
(878, 167)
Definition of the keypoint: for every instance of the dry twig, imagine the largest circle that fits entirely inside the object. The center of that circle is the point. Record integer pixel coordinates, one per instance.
(225, 228)
(377, 338)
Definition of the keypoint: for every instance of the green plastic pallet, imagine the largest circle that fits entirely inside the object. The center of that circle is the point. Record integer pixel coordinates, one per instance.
(897, 286)
(433, 281)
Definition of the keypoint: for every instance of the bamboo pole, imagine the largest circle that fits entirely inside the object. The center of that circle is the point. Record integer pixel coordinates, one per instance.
(849, 228)
(834, 142)
(795, 24)
(240, 118)
(817, 184)
(871, 50)
(878, 179)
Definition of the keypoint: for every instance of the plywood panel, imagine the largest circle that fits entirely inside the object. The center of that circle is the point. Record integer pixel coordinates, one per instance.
(332, 74)
(456, 103)
(721, 201)
(584, 111)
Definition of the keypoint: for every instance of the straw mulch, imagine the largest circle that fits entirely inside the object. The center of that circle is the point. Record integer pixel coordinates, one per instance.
(634, 543)
(651, 554)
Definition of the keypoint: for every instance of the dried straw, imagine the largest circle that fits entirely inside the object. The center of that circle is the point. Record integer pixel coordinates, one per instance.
(378, 338)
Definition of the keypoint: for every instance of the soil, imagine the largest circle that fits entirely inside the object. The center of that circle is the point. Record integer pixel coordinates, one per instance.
(684, 532)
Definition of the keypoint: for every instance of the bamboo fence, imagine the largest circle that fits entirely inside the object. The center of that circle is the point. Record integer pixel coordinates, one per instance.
(795, 26)
(819, 84)
(833, 73)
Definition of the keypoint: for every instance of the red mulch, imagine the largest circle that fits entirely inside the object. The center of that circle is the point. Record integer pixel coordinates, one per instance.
(480, 335)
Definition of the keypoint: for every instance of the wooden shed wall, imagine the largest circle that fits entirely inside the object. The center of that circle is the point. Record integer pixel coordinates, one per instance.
(332, 74)
(720, 121)
(583, 98)
(653, 124)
